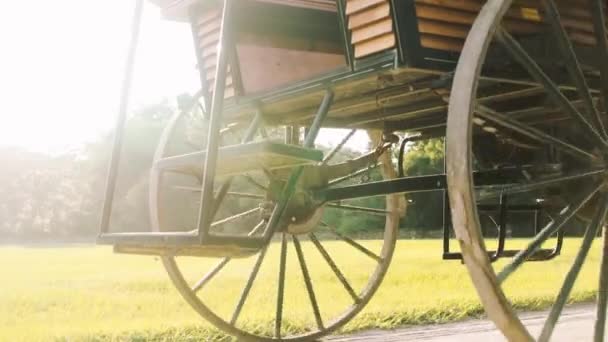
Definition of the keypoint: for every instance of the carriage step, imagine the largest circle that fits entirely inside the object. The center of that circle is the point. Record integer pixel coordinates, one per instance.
(236, 159)
(183, 244)
(210, 251)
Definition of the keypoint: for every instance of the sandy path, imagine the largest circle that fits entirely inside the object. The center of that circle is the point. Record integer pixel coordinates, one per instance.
(576, 324)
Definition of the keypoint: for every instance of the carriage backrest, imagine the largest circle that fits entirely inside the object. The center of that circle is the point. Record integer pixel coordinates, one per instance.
(275, 42)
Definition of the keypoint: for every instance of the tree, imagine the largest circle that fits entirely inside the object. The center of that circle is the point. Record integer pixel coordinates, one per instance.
(425, 157)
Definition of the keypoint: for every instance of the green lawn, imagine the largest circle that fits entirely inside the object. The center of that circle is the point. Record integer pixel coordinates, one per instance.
(89, 293)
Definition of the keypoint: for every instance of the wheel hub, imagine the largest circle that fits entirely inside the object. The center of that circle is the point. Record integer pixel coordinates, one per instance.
(303, 215)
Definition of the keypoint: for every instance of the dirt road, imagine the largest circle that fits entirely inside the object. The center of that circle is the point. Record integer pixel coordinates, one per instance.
(576, 324)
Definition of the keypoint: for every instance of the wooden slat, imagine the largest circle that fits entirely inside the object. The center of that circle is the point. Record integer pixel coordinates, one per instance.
(209, 27)
(374, 45)
(371, 26)
(208, 16)
(372, 30)
(443, 29)
(442, 23)
(354, 6)
(369, 15)
(441, 43)
(210, 39)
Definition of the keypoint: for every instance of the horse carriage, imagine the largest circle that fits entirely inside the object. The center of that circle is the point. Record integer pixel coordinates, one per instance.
(517, 89)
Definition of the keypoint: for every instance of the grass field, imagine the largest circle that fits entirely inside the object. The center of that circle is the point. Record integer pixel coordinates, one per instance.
(90, 294)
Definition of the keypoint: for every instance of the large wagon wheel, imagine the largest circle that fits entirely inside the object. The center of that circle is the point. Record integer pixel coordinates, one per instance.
(580, 139)
(209, 291)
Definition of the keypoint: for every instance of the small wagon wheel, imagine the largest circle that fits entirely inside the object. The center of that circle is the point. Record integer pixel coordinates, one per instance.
(231, 288)
(580, 139)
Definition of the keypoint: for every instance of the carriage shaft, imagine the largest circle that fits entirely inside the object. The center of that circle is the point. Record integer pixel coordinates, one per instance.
(414, 184)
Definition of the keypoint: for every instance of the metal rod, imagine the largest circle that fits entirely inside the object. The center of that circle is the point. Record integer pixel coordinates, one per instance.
(249, 134)
(544, 234)
(556, 310)
(502, 228)
(446, 222)
(308, 283)
(447, 219)
(121, 119)
(338, 147)
(518, 52)
(537, 220)
(414, 184)
(438, 182)
(357, 208)
(400, 160)
(572, 64)
(352, 175)
(315, 127)
(334, 268)
(217, 100)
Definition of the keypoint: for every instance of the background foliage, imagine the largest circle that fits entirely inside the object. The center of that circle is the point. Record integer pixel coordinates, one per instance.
(59, 197)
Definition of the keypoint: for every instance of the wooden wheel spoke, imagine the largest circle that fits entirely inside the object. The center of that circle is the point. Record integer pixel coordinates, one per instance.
(552, 228)
(353, 175)
(334, 268)
(602, 292)
(599, 29)
(253, 182)
(229, 193)
(539, 184)
(308, 283)
(235, 217)
(354, 243)
(532, 133)
(572, 63)
(245, 195)
(281, 288)
(358, 208)
(590, 234)
(338, 147)
(257, 228)
(248, 285)
(521, 56)
(214, 271)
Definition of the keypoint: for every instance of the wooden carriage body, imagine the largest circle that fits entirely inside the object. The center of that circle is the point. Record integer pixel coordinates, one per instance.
(386, 60)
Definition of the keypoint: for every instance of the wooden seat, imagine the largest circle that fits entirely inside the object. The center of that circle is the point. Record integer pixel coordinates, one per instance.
(213, 246)
(237, 159)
